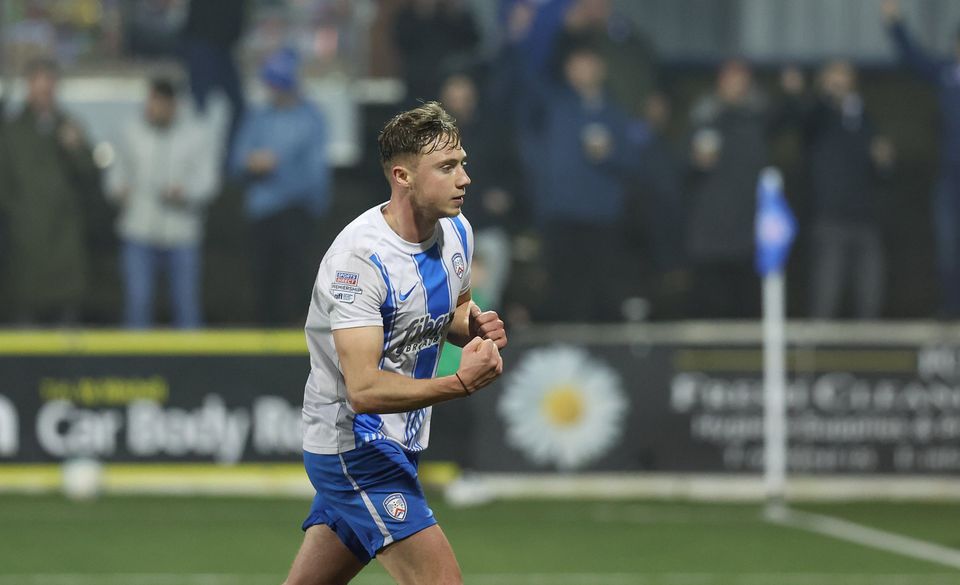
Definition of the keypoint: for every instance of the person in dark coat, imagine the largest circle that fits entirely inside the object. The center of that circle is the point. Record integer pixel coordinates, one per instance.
(729, 145)
(47, 172)
(629, 54)
(846, 160)
(494, 206)
(656, 211)
(210, 36)
(944, 74)
(432, 36)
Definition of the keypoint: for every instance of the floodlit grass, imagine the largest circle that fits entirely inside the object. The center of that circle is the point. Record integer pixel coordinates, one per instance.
(170, 541)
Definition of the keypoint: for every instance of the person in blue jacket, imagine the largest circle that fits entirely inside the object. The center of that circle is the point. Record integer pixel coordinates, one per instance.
(576, 156)
(281, 158)
(944, 73)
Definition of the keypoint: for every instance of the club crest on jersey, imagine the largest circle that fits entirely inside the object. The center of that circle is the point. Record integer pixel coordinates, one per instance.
(396, 506)
(458, 264)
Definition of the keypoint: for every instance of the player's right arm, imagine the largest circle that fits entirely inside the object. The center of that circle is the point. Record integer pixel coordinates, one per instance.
(373, 391)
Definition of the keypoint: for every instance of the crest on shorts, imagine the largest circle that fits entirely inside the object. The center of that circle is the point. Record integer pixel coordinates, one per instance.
(458, 264)
(396, 506)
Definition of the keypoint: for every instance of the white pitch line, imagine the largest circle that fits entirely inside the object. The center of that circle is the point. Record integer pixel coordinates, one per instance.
(866, 536)
(500, 579)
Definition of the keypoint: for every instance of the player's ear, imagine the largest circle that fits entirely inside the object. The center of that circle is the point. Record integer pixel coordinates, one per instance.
(401, 175)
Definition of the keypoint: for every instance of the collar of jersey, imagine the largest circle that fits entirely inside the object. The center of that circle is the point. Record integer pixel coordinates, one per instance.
(411, 247)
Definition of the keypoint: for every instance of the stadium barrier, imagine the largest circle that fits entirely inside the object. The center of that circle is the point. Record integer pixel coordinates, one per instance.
(660, 410)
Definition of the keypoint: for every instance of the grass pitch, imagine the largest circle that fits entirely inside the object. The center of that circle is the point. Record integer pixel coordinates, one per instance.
(47, 540)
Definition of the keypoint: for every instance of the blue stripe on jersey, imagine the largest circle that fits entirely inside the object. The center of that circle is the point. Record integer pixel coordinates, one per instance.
(388, 310)
(433, 277)
(435, 281)
(414, 423)
(462, 234)
(366, 428)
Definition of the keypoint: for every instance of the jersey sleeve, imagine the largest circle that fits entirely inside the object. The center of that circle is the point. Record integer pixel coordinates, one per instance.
(465, 235)
(353, 290)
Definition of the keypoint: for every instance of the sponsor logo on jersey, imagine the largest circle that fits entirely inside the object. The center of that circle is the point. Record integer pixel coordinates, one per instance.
(350, 278)
(396, 506)
(423, 333)
(344, 288)
(459, 266)
(404, 296)
(343, 297)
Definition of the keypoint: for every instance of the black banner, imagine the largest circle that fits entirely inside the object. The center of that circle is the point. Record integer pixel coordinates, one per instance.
(223, 409)
(688, 408)
(602, 406)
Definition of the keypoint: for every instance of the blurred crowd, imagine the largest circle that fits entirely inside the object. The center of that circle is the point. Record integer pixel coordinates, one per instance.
(593, 198)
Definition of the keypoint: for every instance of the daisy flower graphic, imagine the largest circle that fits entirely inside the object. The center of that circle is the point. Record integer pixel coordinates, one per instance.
(563, 407)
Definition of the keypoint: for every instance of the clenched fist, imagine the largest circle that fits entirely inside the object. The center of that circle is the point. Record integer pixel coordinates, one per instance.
(480, 364)
(487, 325)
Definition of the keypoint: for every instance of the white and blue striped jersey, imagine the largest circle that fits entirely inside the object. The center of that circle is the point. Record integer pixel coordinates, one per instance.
(370, 276)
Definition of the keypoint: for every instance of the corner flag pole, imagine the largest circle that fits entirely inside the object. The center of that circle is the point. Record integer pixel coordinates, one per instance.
(775, 230)
(774, 384)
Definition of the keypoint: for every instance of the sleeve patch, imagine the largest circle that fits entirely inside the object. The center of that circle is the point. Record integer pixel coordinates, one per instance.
(344, 288)
(351, 278)
(343, 297)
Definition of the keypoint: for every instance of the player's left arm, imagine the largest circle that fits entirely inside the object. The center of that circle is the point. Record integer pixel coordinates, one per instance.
(470, 321)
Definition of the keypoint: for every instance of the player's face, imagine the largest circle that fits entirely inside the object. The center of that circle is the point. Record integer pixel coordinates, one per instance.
(440, 181)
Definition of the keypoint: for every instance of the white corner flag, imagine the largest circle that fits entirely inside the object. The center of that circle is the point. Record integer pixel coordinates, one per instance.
(775, 231)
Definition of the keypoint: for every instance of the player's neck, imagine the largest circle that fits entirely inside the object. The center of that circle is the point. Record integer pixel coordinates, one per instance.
(403, 219)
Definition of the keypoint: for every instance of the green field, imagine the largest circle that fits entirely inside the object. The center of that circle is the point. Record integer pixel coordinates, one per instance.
(212, 541)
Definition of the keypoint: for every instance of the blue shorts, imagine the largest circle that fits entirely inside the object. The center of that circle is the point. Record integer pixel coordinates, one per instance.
(370, 496)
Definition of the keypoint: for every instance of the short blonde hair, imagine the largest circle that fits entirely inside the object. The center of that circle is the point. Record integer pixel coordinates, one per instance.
(417, 131)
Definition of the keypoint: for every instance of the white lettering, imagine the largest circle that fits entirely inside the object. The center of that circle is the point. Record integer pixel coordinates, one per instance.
(63, 430)
(9, 428)
(276, 426)
(208, 430)
(938, 363)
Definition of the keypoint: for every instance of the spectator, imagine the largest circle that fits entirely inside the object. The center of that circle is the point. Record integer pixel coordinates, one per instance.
(729, 148)
(658, 208)
(46, 173)
(846, 159)
(210, 35)
(166, 173)
(534, 26)
(4, 92)
(433, 36)
(631, 59)
(576, 156)
(943, 73)
(281, 155)
(492, 204)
